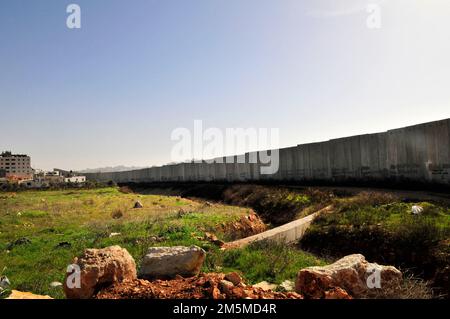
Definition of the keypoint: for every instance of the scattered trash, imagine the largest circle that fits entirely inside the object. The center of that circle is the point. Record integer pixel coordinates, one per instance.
(56, 284)
(114, 235)
(265, 285)
(416, 209)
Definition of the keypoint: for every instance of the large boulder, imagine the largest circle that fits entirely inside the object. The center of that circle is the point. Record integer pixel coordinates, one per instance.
(100, 268)
(352, 273)
(167, 262)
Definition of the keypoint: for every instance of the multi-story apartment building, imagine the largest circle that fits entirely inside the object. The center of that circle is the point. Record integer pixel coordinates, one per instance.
(16, 165)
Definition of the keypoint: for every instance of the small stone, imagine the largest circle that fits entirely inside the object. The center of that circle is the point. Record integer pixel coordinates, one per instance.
(265, 285)
(55, 284)
(215, 293)
(4, 282)
(287, 285)
(138, 204)
(337, 293)
(201, 281)
(234, 278)
(114, 235)
(292, 294)
(227, 287)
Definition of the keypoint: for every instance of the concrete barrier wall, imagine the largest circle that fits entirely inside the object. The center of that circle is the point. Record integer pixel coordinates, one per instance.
(419, 153)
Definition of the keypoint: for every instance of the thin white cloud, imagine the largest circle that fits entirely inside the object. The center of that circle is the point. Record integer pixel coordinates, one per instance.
(345, 11)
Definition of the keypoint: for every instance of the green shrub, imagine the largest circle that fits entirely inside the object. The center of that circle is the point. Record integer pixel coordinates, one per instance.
(365, 199)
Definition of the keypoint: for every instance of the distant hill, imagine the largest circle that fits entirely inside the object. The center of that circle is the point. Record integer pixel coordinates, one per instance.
(110, 169)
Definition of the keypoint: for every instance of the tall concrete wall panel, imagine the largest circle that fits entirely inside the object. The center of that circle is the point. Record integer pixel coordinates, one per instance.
(416, 153)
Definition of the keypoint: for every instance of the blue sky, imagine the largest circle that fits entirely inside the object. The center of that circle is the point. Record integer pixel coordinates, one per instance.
(111, 92)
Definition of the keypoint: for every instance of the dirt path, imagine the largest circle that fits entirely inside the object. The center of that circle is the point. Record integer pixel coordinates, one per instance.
(287, 233)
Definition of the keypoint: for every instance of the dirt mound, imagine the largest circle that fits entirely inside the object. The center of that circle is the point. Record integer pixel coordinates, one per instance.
(246, 226)
(276, 205)
(204, 286)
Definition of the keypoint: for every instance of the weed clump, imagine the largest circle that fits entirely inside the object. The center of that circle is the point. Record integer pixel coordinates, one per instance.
(117, 214)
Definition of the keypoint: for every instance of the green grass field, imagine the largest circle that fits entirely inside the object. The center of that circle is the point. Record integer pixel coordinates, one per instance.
(59, 225)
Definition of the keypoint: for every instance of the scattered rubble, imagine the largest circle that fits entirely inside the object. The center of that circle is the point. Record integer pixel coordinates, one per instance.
(204, 286)
(234, 278)
(56, 284)
(100, 268)
(157, 239)
(173, 273)
(337, 293)
(266, 285)
(167, 262)
(352, 274)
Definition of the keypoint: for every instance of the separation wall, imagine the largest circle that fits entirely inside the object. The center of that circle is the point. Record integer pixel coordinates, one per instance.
(419, 153)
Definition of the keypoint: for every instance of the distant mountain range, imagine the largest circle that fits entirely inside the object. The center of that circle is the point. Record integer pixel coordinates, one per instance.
(110, 169)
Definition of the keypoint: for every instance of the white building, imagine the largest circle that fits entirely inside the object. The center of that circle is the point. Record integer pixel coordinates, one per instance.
(53, 177)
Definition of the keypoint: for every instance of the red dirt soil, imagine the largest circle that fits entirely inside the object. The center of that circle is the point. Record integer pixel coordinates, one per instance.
(204, 286)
